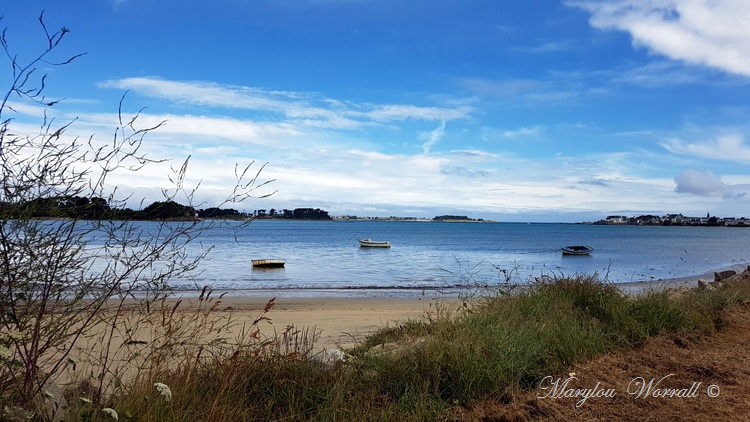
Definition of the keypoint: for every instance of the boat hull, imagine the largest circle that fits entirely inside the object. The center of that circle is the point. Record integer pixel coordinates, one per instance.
(577, 250)
(369, 243)
(268, 263)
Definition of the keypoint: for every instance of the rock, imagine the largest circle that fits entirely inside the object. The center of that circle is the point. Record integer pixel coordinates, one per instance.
(737, 279)
(705, 285)
(724, 274)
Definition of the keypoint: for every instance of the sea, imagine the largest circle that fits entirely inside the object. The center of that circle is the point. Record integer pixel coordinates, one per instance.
(323, 258)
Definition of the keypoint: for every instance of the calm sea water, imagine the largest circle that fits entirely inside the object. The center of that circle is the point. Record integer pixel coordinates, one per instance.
(324, 256)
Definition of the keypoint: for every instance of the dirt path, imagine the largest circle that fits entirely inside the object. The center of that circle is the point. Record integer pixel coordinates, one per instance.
(693, 368)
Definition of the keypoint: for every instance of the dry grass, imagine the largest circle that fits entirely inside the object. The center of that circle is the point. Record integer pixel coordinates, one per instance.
(484, 363)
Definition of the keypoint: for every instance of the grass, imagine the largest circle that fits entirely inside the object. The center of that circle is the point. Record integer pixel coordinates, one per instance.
(420, 370)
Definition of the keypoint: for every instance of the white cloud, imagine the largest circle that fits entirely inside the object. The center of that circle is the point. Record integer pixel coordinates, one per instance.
(714, 33)
(405, 112)
(433, 137)
(304, 108)
(730, 147)
(350, 171)
(658, 75)
(513, 134)
(549, 47)
(701, 183)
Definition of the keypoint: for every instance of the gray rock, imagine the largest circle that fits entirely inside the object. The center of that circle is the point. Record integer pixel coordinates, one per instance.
(737, 279)
(705, 285)
(720, 276)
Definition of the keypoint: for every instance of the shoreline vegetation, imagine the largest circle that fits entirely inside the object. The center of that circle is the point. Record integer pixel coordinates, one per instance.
(466, 358)
(95, 208)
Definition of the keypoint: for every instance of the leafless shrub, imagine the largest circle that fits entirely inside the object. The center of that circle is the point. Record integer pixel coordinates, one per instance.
(66, 280)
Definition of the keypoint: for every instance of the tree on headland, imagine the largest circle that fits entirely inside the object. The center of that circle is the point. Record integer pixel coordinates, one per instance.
(215, 212)
(168, 210)
(453, 218)
(56, 276)
(295, 214)
(310, 214)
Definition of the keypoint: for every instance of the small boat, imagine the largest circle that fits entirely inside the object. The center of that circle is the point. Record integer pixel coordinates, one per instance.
(268, 263)
(577, 250)
(369, 243)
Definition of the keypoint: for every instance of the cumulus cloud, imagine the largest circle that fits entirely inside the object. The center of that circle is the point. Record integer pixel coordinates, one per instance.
(714, 33)
(701, 183)
(735, 194)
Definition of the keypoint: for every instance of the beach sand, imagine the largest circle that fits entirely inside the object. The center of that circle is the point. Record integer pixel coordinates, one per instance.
(338, 322)
(344, 321)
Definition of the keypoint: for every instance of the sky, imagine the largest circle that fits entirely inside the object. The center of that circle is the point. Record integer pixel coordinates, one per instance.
(518, 110)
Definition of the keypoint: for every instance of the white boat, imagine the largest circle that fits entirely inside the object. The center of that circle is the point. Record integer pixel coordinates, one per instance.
(577, 250)
(369, 243)
(268, 263)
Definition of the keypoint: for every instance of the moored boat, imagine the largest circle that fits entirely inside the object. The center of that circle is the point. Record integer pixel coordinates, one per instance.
(369, 243)
(268, 263)
(577, 250)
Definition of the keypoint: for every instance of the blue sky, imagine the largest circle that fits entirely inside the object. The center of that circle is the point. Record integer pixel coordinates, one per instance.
(511, 110)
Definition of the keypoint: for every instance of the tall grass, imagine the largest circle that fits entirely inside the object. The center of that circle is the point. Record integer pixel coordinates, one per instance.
(422, 370)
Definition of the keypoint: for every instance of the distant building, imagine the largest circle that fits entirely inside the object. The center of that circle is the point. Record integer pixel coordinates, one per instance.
(649, 220)
(737, 222)
(616, 219)
(673, 219)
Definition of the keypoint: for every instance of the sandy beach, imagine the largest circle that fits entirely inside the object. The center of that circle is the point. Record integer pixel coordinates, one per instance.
(344, 321)
(339, 322)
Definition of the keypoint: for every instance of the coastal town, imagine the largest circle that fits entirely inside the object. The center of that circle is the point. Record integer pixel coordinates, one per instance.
(674, 220)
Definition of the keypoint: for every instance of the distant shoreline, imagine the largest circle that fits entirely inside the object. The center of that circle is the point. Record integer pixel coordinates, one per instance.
(417, 220)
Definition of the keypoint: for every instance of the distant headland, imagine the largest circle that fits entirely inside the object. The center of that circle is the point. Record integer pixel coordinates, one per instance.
(439, 218)
(96, 208)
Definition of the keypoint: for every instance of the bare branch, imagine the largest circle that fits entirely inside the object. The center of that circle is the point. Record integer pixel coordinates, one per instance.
(58, 274)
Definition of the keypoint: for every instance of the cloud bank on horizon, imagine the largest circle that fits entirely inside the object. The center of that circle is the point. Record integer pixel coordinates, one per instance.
(528, 112)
